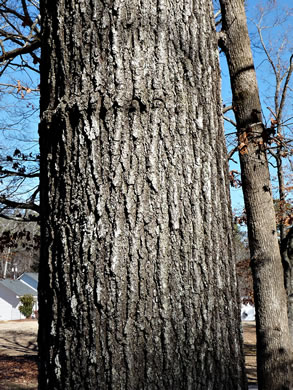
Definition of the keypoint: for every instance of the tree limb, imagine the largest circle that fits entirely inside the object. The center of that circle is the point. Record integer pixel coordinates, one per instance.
(34, 195)
(230, 121)
(284, 93)
(7, 173)
(19, 205)
(26, 13)
(227, 108)
(230, 154)
(22, 219)
(35, 44)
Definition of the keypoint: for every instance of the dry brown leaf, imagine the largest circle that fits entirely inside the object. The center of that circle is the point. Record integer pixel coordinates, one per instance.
(288, 221)
(243, 138)
(243, 148)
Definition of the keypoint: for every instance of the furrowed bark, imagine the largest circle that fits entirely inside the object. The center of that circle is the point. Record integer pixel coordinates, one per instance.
(274, 349)
(137, 281)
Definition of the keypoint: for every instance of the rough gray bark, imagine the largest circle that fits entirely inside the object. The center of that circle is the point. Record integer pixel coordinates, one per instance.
(137, 277)
(274, 350)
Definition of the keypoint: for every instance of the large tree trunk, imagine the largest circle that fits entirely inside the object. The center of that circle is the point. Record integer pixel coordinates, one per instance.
(274, 353)
(137, 277)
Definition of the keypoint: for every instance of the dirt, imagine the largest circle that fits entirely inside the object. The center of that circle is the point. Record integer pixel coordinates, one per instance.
(18, 354)
(249, 336)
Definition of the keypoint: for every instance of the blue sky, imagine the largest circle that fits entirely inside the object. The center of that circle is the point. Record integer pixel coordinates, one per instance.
(24, 135)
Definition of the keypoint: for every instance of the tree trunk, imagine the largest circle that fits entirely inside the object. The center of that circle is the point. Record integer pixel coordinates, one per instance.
(137, 276)
(274, 353)
(287, 256)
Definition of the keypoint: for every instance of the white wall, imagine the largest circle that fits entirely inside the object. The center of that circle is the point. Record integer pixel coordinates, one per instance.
(247, 312)
(9, 305)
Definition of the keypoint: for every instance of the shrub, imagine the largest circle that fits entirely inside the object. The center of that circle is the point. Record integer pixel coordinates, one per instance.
(27, 305)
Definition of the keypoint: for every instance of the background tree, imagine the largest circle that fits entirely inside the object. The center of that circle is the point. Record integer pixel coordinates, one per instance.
(19, 247)
(19, 114)
(274, 349)
(19, 63)
(277, 49)
(137, 277)
(244, 276)
(270, 31)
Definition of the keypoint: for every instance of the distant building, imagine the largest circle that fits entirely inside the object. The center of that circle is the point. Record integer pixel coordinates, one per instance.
(10, 293)
(31, 279)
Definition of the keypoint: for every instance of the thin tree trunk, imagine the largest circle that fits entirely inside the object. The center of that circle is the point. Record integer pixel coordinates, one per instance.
(285, 241)
(274, 352)
(287, 261)
(137, 275)
(287, 256)
(282, 195)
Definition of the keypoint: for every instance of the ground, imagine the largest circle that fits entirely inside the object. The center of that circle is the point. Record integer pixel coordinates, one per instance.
(18, 354)
(250, 352)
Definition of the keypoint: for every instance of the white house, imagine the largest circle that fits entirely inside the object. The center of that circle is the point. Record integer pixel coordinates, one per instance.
(10, 292)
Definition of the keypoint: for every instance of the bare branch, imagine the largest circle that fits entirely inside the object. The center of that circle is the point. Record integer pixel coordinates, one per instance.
(219, 21)
(273, 154)
(23, 64)
(284, 93)
(277, 74)
(217, 14)
(35, 44)
(272, 112)
(230, 121)
(34, 195)
(19, 205)
(272, 165)
(20, 219)
(12, 37)
(6, 173)
(28, 19)
(226, 109)
(5, 66)
(230, 154)
(34, 3)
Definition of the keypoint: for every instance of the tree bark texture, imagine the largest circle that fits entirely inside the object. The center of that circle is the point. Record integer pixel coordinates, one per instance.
(137, 277)
(274, 352)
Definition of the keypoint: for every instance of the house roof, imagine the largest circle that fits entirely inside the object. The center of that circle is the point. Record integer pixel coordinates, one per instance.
(32, 275)
(17, 287)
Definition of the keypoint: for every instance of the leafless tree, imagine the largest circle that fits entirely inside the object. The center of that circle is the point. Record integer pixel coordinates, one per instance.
(19, 61)
(274, 345)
